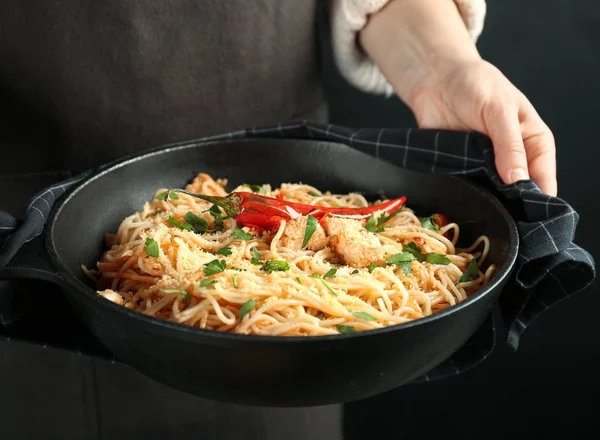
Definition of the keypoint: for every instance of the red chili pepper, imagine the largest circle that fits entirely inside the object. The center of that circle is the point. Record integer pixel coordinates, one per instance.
(442, 220)
(255, 210)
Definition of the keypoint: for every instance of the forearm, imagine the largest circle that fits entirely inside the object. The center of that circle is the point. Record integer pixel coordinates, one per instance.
(411, 41)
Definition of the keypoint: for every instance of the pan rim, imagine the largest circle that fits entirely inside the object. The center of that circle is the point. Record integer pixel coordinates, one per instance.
(199, 334)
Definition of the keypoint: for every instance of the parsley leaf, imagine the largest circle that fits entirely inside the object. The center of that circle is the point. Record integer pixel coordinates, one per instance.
(167, 195)
(239, 234)
(198, 223)
(363, 315)
(178, 224)
(298, 279)
(311, 227)
(354, 272)
(430, 258)
(215, 266)
(403, 260)
(151, 247)
(314, 194)
(345, 328)
(470, 272)
(246, 307)
(235, 275)
(438, 259)
(255, 188)
(371, 224)
(255, 256)
(330, 273)
(415, 250)
(215, 211)
(224, 251)
(327, 286)
(385, 218)
(183, 294)
(372, 267)
(206, 282)
(429, 223)
(275, 265)
(377, 225)
(320, 316)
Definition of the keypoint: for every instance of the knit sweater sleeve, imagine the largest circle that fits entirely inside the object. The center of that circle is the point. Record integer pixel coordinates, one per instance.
(349, 17)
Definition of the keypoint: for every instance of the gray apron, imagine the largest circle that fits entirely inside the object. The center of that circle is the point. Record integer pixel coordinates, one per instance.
(86, 82)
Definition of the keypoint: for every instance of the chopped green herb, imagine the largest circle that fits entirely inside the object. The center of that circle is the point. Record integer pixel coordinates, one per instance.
(167, 195)
(159, 211)
(298, 280)
(178, 224)
(330, 273)
(238, 269)
(255, 188)
(151, 247)
(403, 260)
(385, 218)
(311, 227)
(377, 225)
(224, 251)
(206, 282)
(239, 234)
(198, 223)
(314, 194)
(363, 315)
(470, 272)
(215, 266)
(255, 256)
(183, 294)
(354, 272)
(345, 328)
(429, 223)
(372, 267)
(371, 225)
(430, 258)
(235, 275)
(246, 307)
(320, 316)
(275, 265)
(215, 211)
(438, 259)
(327, 286)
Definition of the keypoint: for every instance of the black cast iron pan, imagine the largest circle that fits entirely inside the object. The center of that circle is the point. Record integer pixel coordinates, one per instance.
(253, 370)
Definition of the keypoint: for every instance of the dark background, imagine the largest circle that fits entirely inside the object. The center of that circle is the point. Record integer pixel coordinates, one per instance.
(550, 50)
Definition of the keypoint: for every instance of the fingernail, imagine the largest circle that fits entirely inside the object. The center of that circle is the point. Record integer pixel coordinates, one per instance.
(518, 174)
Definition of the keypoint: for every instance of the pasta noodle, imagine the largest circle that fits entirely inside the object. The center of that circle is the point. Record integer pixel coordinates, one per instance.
(243, 280)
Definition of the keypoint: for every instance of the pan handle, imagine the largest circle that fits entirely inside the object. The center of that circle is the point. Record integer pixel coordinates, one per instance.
(19, 240)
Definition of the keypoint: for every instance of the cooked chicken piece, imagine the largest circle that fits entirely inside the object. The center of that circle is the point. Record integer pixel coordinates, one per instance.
(353, 244)
(204, 184)
(113, 296)
(293, 236)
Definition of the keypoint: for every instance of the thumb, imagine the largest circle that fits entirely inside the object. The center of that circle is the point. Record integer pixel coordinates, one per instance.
(504, 129)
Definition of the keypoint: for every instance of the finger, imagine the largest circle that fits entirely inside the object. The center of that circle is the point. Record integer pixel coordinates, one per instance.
(502, 125)
(540, 147)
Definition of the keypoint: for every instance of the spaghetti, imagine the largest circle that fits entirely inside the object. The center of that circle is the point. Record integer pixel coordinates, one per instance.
(182, 259)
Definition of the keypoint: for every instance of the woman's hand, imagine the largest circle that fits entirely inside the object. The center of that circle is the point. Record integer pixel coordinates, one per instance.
(475, 95)
(426, 53)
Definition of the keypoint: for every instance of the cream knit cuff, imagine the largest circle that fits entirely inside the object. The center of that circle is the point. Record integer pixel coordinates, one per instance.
(350, 16)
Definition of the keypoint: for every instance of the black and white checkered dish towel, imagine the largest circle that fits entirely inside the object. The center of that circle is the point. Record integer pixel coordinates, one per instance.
(550, 266)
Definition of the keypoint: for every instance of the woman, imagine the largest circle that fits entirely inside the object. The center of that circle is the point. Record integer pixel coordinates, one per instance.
(92, 81)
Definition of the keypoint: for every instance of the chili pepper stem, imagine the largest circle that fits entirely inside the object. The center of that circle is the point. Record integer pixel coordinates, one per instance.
(231, 204)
